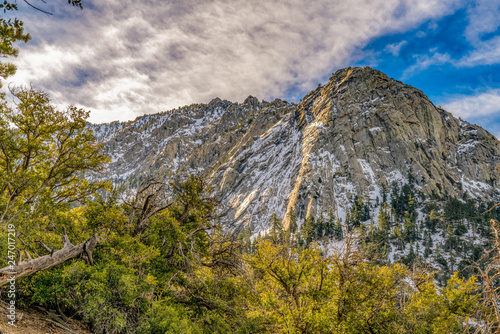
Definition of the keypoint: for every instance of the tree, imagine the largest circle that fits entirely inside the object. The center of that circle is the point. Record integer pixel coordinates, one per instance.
(277, 231)
(46, 156)
(308, 229)
(293, 221)
(384, 219)
(12, 31)
(293, 290)
(489, 276)
(283, 295)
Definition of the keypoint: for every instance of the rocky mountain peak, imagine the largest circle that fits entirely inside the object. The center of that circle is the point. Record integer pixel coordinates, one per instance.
(252, 102)
(353, 136)
(357, 135)
(357, 74)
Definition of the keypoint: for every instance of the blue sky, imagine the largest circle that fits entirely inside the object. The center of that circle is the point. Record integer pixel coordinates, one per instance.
(124, 58)
(436, 58)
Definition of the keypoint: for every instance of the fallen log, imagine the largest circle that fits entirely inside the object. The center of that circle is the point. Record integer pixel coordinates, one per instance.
(31, 266)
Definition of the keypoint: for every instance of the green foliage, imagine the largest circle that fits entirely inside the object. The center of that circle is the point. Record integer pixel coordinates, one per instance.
(277, 231)
(164, 265)
(180, 260)
(184, 275)
(446, 311)
(11, 31)
(308, 230)
(109, 296)
(46, 156)
(168, 317)
(296, 291)
(384, 218)
(293, 221)
(360, 212)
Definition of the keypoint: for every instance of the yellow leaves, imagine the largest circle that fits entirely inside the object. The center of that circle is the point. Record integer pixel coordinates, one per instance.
(292, 288)
(46, 156)
(303, 291)
(437, 215)
(461, 294)
(446, 310)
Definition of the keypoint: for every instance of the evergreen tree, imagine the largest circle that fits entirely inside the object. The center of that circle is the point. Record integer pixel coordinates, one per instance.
(410, 232)
(293, 221)
(320, 227)
(308, 230)
(384, 194)
(411, 257)
(244, 237)
(338, 232)
(383, 218)
(427, 251)
(411, 178)
(395, 197)
(330, 224)
(277, 232)
(12, 31)
(348, 221)
(398, 235)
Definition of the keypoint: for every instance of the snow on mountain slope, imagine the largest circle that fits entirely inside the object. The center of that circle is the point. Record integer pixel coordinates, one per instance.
(356, 134)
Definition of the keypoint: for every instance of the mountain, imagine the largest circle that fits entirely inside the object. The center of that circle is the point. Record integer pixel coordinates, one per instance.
(193, 139)
(353, 137)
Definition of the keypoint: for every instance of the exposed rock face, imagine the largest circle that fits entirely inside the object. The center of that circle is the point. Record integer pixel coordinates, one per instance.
(192, 139)
(356, 134)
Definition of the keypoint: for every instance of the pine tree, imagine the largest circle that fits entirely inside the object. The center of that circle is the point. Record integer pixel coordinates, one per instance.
(308, 230)
(293, 221)
(330, 224)
(398, 235)
(320, 227)
(427, 251)
(411, 257)
(339, 235)
(277, 233)
(348, 221)
(411, 179)
(384, 194)
(383, 219)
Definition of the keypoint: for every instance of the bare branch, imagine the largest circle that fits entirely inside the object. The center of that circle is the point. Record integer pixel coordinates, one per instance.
(32, 266)
(39, 9)
(491, 209)
(47, 248)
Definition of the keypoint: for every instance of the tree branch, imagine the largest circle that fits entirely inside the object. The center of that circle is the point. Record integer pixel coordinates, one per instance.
(32, 266)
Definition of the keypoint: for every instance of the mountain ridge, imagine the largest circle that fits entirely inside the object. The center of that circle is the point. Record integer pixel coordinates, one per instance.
(359, 132)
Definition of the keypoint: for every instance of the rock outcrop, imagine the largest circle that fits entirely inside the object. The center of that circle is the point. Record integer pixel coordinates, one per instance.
(358, 133)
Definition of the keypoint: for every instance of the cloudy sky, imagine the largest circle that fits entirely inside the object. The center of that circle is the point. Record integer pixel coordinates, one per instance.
(123, 58)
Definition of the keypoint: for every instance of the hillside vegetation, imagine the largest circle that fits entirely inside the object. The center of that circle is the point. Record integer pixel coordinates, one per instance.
(159, 262)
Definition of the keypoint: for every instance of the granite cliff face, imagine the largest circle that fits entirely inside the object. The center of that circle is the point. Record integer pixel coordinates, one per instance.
(194, 139)
(356, 134)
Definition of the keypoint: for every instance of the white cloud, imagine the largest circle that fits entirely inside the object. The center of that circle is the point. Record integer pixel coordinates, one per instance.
(395, 48)
(476, 106)
(483, 108)
(432, 25)
(424, 61)
(486, 53)
(125, 58)
(484, 18)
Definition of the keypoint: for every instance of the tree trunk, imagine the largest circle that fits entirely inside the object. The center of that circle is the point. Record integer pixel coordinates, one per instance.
(31, 266)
